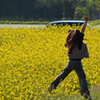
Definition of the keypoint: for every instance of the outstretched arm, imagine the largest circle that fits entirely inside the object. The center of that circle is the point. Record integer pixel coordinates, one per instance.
(84, 25)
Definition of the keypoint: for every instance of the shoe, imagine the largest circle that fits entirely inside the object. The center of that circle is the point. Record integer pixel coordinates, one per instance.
(87, 96)
(50, 88)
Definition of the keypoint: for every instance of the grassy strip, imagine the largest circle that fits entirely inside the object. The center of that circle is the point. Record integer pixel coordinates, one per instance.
(24, 22)
(95, 22)
(92, 23)
(95, 94)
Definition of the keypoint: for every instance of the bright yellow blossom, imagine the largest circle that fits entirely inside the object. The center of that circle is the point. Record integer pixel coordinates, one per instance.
(30, 59)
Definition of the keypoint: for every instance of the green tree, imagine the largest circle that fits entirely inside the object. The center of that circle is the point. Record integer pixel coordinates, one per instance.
(49, 9)
(93, 7)
(56, 9)
(68, 9)
(80, 12)
(27, 8)
(98, 6)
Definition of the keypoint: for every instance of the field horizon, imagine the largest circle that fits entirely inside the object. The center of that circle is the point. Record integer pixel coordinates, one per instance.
(92, 22)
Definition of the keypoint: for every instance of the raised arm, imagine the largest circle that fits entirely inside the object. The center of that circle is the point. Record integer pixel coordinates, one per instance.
(84, 25)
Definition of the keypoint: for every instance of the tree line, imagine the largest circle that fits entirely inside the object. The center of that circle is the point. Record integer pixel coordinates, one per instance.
(49, 9)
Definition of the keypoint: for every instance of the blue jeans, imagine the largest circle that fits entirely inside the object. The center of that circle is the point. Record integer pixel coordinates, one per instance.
(77, 66)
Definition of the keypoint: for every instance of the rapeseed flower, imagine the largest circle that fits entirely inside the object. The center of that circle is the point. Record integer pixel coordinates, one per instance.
(32, 58)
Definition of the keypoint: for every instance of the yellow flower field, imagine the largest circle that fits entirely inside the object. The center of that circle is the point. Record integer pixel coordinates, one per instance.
(30, 59)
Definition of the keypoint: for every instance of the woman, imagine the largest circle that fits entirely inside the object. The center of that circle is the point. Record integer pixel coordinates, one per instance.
(77, 50)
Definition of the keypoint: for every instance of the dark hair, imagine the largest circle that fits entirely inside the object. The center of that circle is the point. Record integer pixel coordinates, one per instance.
(74, 38)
